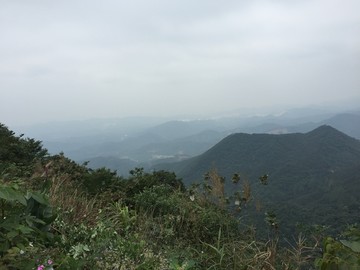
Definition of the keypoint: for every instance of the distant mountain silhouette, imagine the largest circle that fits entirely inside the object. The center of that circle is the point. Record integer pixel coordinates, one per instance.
(121, 165)
(151, 141)
(178, 129)
(349, 123)
(313, 176)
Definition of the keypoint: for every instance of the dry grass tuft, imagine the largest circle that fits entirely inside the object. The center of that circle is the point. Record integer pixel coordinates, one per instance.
(217, 184)
(246, 191)
(75, 205)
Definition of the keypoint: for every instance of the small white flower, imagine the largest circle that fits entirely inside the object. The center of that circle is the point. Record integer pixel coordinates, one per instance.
(192, 198)
(22, 252)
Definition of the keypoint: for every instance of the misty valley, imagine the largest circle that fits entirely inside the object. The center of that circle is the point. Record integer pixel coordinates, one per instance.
(122, 144)
(234, 192)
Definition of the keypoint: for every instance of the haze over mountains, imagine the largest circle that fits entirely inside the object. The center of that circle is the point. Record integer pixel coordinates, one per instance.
(122, 144)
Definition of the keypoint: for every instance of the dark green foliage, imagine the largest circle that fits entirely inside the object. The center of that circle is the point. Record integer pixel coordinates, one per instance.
(25, 218)
(59, 165)
(338, 256)
(38, 206)
(236, 178)
(139, 181)
(97, 181)
(264, 179)
(156, 200)
(18, 151)
(10, 193)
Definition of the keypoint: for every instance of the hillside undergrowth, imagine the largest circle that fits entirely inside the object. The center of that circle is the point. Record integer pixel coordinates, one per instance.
(57, 214)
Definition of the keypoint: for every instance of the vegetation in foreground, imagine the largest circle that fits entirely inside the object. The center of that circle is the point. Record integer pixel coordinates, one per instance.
(56, 214)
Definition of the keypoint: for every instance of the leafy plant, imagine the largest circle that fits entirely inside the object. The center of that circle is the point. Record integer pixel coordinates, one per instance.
(121, 217)
(219, 250)
(24, 217)
(342, 254)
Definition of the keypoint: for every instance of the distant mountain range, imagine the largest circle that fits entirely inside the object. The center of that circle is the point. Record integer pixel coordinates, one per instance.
(177, 140)
(144, 142)
(313, 176)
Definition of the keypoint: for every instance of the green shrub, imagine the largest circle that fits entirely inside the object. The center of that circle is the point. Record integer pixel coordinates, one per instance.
(341, 254)
(139, 181)
(24, 218)
(156, 200)
(97, 181)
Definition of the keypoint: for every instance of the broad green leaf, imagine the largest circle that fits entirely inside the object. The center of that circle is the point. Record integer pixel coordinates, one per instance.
(12, 234)
(4, 246)
(24, 229)
(353, 245)
(9, 194)
(21, 246)
(37, 196)
(31, 220)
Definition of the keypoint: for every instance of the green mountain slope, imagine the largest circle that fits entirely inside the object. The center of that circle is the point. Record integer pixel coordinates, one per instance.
(313, 177)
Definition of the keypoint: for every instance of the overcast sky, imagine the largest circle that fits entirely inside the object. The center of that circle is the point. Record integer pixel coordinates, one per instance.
(80, 59)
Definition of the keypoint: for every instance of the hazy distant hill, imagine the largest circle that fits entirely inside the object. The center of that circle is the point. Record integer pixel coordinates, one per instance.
(121, 165)
(349, 123)
(112, 128)
(178, 129)
(314, 176)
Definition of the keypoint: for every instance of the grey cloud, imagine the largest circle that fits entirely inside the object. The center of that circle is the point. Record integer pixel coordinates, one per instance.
(172, 56)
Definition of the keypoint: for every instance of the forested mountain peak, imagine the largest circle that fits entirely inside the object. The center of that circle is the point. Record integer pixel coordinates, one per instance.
(254, 152)
(316, 170)
(327, 131)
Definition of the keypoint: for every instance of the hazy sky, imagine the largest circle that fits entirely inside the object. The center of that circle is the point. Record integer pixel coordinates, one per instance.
(77, 59)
